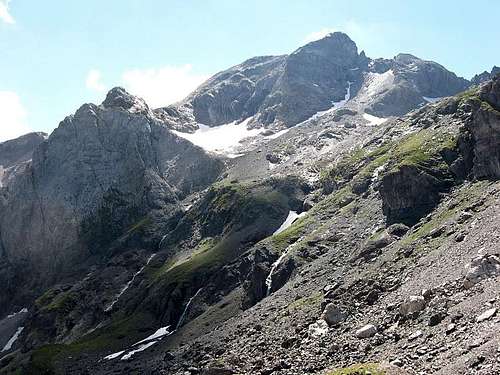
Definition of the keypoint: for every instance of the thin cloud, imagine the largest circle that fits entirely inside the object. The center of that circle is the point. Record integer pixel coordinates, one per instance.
(317, 35)
(12, 116)
(5, 15)
(162, 86)
(93, 81)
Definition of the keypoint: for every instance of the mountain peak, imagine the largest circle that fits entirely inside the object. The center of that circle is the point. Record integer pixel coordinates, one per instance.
(118, 97)
(406, 58)
(336, 41)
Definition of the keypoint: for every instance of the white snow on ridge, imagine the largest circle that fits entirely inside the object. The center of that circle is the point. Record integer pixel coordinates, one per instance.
(13, 339)
(432, 100)
(222, 139)
(292, 216)
(374, 120)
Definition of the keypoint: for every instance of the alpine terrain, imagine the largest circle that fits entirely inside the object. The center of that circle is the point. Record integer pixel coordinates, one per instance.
(321, 212)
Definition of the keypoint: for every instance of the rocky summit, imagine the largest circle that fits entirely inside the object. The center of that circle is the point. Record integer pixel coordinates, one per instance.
(321, 212)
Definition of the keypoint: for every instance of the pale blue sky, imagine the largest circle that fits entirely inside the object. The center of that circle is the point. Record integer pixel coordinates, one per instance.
(56, 55)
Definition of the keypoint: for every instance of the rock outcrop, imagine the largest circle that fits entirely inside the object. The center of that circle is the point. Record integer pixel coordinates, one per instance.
(100, 172)
(485, 76)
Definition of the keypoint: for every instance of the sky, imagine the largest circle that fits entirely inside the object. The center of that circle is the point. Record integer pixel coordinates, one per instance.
(56, 55)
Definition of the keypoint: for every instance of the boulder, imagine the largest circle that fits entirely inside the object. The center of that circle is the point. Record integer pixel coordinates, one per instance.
(486, 315)
(412, 305)
(318, 329)
(481, 267)
(367, 331)
(333, 315)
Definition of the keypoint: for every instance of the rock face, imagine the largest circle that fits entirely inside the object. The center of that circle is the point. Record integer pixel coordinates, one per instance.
(405, 82)
(102, 170)
(20, 149)
(410, 193)
(366, 332)
(282, 91)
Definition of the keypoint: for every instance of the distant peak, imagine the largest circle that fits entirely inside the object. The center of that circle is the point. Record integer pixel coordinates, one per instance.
(406, 58)
(118, 97)
(336, 43)
(335, 37)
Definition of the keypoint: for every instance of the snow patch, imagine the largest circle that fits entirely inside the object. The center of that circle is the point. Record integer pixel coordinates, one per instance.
(377, 172)
(114, 355)
(292, 216)
(139, 349)
(24, 310)
(318, 329)
(12, 340)
(163, 331)
(278, 134)
(222, 139)
(374, 120)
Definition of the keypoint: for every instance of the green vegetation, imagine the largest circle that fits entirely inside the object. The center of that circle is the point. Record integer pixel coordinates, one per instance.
(422, 149)
(202, 262)
(470, 94)
(304, 302)
(54, 300)
(281, 240)
(361, 369)
(233, 216)
(112, 337)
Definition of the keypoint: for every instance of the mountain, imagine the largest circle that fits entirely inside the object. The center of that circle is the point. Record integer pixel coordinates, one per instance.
(282, 91)
(263, 225)
(98, 174)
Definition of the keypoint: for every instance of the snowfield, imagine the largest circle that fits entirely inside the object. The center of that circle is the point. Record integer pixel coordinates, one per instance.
(222, 139)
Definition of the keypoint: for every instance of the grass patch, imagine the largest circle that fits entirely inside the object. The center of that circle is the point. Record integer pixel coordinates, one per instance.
(291, 234)
(304, 302)
(360, 369)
